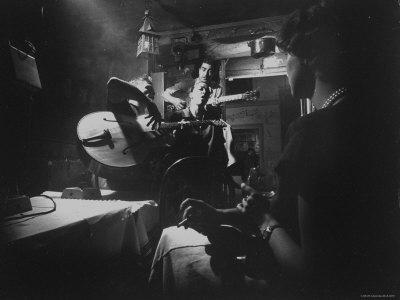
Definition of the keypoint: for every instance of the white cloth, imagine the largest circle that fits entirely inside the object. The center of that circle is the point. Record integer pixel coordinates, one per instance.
(182, 268)
(112, 226)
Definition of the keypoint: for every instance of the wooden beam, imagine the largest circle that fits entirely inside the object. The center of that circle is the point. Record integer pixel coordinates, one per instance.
(277, 19)
(248, 67)
(228, 33)
(227, 40)
(220, 51)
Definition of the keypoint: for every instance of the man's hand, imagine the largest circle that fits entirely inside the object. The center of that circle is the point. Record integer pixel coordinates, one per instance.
(179, 104)
(213, 101)
(255, 205)
(227, 132)
(198, 214)
(154, 115)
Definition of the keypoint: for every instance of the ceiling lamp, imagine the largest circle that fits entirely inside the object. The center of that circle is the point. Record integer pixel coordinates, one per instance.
(148, 38)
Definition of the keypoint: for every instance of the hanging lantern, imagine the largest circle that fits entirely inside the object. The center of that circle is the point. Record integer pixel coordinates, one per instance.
(148, 38)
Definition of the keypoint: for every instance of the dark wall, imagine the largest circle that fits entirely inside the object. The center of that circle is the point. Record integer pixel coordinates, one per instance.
(78, 46)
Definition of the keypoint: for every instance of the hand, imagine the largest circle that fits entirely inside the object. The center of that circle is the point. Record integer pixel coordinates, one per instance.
(213, 101)
(247, 95)
(227, 132)
(268, 220)
(179, 104)
(198, 214)
(251, 95)
(154, 115)
(255, 205)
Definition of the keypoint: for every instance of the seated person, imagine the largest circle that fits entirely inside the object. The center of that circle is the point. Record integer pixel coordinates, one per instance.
(178, 94)
(202, 140)
(138, 92)
(211, 141)
(334, 227)
(131, 98)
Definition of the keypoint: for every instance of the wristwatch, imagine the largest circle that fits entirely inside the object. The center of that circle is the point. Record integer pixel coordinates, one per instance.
(267, 232)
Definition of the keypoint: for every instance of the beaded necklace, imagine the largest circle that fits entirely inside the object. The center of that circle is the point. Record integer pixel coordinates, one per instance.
(334, 96)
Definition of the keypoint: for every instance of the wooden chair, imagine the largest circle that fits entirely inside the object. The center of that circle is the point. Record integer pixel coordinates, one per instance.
(195, 177)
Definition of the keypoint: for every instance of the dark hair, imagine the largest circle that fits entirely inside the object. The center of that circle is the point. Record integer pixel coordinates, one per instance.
(338, 39)
(214, 67)
(316, 35)
(208, 60)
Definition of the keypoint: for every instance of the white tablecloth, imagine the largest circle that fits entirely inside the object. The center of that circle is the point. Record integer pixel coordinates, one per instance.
(183, 269)
(111, 226)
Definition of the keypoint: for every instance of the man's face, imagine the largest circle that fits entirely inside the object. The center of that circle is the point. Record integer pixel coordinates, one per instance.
(205, 72)
(199, 94)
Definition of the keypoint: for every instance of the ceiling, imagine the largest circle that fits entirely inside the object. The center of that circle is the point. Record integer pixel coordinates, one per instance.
(195, 13)
(29, 15)
(111, 26)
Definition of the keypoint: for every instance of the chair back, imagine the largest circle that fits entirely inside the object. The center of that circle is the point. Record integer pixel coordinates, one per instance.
(196, 177)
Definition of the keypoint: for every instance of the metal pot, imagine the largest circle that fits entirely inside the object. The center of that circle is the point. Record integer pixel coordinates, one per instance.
(262, 47)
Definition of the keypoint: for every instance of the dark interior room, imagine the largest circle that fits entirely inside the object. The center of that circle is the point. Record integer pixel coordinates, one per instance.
(167, 149)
